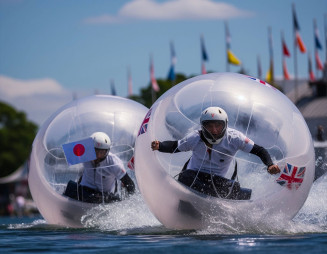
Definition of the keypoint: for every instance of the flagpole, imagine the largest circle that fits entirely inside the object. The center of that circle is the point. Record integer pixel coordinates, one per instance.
(316, 50)
(154, 85)
(325, 67)
(171, 74)
(311, 74)
(259, 70)
(326, 37)
(283, 57)
(227, 45)
(295, 71)
(153, 93)
(113, 89)
(129, 82)
(295, 56)
(204, 55)
(172, 47)
(271, 54)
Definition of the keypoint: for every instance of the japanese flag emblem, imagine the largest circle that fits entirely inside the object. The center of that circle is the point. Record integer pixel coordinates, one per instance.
(79, 151)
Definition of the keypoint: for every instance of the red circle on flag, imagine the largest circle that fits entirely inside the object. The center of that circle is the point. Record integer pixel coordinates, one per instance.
(79, 150)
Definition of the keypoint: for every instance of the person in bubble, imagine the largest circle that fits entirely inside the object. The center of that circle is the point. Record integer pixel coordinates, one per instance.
(213, 148)
(98, 183)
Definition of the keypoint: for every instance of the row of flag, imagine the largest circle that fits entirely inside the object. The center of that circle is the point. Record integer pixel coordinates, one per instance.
(298, 42)
(231, 58)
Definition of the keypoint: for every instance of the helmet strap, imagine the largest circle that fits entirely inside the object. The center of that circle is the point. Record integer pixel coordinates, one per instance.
(204, 139)
(209, 138)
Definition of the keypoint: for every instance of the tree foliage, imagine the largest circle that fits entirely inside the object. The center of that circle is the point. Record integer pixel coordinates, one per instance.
(16, 138)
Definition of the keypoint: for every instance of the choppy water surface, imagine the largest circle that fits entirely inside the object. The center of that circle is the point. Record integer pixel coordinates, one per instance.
(133, 229)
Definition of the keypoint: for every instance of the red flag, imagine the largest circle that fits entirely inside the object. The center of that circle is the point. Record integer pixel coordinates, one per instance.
(203, 68)
(319, 65)
(286, 52)
(285, 71)
(311, 74)
(154, 83)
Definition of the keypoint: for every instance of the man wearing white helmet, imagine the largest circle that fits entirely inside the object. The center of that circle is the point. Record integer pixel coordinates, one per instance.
(100, 176)
(213, 148)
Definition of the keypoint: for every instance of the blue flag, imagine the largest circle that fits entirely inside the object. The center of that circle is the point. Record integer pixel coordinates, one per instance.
(203, 50)
(316, 35)
(171, 73)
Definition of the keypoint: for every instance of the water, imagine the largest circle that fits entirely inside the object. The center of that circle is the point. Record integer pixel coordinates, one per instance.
(33, 235)
(136, 230)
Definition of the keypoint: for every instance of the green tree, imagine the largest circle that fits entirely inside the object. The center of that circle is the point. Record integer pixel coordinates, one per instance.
(16, 138)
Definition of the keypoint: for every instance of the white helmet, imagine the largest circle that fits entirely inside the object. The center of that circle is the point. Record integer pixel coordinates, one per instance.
(101, 140)
(214, 114)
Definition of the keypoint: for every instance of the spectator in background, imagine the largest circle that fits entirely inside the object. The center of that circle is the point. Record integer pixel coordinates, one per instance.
(320, 133)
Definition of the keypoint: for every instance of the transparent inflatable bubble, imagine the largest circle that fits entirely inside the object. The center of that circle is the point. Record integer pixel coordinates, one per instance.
(256, 109)
(49, 172)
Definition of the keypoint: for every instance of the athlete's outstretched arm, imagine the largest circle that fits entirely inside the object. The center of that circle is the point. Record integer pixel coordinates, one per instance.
(165, 146)
(263, 154)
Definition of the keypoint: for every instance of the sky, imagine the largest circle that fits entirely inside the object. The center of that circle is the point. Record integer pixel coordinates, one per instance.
(52, 49)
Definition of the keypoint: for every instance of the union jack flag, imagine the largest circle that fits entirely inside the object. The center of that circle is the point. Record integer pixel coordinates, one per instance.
(131, 163)
(291, 177)
(261, 82)
(144, 125)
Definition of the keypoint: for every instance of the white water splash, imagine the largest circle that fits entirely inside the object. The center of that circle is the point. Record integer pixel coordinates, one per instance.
(133, 216)
(35, 223)
(127, 214)
(314, 210)
(312, 218)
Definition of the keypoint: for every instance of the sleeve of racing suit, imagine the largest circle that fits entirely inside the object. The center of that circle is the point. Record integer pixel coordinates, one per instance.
(128, 183)
(168, 147)
(263, 154)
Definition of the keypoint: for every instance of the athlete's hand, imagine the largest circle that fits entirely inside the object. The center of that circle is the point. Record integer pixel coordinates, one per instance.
(273, 169)
(155, 145)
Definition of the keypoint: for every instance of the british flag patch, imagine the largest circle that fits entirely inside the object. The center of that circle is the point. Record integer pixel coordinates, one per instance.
(292, 176)
(144, 125)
